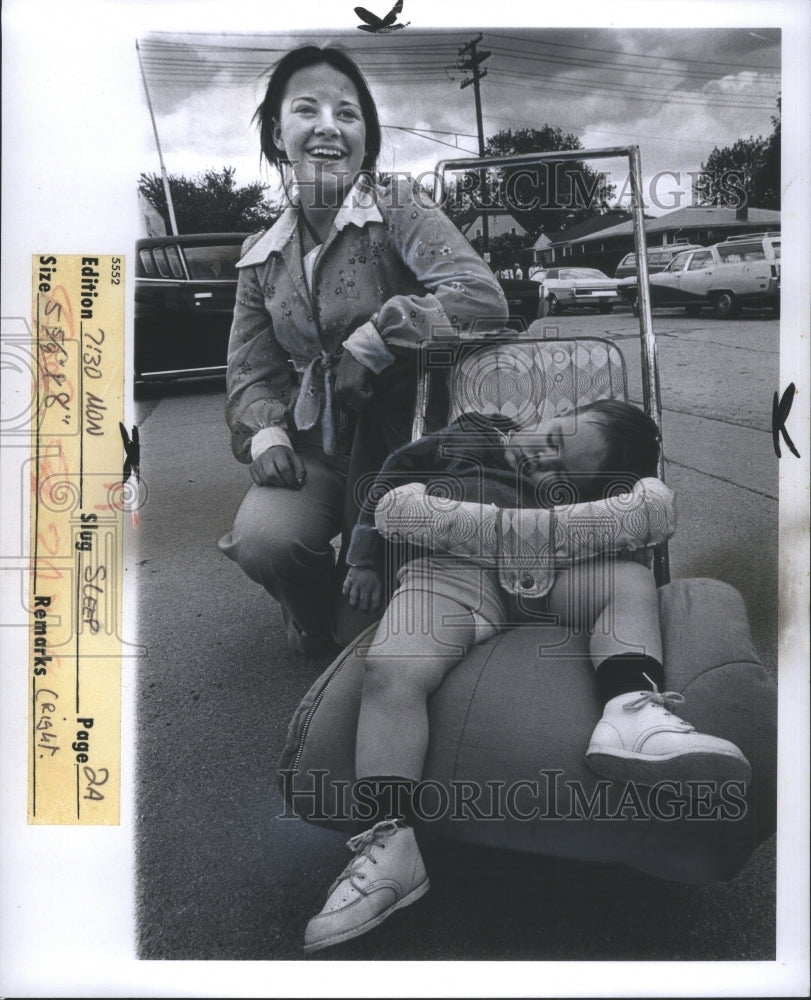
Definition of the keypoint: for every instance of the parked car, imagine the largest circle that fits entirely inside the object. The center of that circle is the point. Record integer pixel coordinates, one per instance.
(658, 259)
(185, 289)
(741, 271)
(524, 299)
(565, 287)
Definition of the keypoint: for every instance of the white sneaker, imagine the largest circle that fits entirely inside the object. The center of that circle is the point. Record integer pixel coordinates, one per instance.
(386, 874)
(638, 739)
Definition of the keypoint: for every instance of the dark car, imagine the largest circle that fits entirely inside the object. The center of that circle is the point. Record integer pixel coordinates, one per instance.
(524, 300)
(185, 289)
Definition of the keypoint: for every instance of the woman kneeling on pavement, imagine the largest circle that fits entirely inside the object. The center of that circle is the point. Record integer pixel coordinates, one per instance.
(332, 302)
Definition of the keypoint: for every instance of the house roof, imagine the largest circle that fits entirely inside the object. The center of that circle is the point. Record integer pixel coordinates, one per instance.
(690, 217)
(596, 224)
(498, 222)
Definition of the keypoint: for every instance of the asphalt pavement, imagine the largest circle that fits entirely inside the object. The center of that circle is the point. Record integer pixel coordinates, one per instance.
(221, 876)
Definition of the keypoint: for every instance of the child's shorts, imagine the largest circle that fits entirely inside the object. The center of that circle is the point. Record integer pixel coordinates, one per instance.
(472, 587)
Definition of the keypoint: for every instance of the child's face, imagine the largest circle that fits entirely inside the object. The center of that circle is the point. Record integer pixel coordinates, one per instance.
(561, 449)
(322, 132)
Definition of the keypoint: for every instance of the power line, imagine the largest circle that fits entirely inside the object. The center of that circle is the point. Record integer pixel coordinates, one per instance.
(692, 98)
(172, 63)
(442, 142)
(666, 75)
(614, 67)
(625, 55)
(381, 55)
(433, 131)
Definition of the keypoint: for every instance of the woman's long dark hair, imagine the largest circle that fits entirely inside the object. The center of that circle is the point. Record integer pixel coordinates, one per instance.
(268, 112)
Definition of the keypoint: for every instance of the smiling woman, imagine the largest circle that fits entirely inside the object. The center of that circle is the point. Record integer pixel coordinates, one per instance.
(320, 120)
(322, 135)
(332, 303)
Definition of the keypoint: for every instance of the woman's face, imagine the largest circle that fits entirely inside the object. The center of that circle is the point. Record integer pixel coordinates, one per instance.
(321, 131)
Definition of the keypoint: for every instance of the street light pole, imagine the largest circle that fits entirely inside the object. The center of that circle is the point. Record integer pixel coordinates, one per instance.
(164, 175)
(473, 64)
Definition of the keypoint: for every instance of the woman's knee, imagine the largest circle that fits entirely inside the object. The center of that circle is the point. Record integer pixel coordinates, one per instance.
(272, 529)
(263, 549)
(283, 556)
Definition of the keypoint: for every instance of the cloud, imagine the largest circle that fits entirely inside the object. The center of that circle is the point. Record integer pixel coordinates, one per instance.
(675, 93)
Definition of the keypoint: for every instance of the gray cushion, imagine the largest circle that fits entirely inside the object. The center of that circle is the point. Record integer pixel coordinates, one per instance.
(521, 707)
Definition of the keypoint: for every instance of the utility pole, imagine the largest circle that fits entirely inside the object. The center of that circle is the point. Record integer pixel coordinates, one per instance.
(470, 60)
(167, 191)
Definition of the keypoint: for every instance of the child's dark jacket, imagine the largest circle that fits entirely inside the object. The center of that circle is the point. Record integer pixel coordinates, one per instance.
(464, 461)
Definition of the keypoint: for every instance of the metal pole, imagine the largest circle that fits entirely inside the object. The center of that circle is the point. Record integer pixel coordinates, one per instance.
(474, 67)
(478, 98)
(651, 395)
(650, 378)
(164, 175)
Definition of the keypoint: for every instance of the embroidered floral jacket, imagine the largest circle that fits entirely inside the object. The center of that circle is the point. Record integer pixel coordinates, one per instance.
(393, 272)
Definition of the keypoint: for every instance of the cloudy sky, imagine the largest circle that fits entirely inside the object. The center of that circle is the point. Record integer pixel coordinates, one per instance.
(676, 93)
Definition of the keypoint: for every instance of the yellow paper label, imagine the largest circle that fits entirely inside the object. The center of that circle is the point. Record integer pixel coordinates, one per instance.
(77, 508)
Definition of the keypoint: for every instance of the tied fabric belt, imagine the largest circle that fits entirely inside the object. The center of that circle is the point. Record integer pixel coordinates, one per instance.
(308, 406)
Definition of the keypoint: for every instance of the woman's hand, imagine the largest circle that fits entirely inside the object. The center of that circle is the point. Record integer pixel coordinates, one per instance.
(352, 383)
(278, 466)
(363, 588)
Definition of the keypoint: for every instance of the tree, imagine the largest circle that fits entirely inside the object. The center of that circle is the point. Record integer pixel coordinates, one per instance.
(543, 198)
(211, 202)
(746, 173)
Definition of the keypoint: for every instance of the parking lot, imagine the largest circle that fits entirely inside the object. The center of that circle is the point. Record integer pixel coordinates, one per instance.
(221, 876)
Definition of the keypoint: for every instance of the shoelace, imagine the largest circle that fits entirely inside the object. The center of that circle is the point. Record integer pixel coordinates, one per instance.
(654, 697)
(361, 845)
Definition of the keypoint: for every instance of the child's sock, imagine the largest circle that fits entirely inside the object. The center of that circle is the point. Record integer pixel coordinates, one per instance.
(390, 796)
(626, 672)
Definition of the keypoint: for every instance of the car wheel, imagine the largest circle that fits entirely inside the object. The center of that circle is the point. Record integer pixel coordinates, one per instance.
(555, 308)
(726, 305)
(693, 310)
(633, 299)
(776, 307)
(606, 307)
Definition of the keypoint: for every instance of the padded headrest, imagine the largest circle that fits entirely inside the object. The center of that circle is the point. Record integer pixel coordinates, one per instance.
(531, 381)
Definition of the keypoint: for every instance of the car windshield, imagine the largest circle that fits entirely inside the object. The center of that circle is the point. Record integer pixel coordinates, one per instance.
(213, 263)
(678, 263)
(588, 273)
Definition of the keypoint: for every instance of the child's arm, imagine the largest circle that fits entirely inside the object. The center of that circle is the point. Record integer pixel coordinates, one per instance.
(416, 462)
(527, 545)
(363, 585)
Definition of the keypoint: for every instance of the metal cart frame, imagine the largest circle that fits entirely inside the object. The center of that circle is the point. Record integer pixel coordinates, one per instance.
(651, 396)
